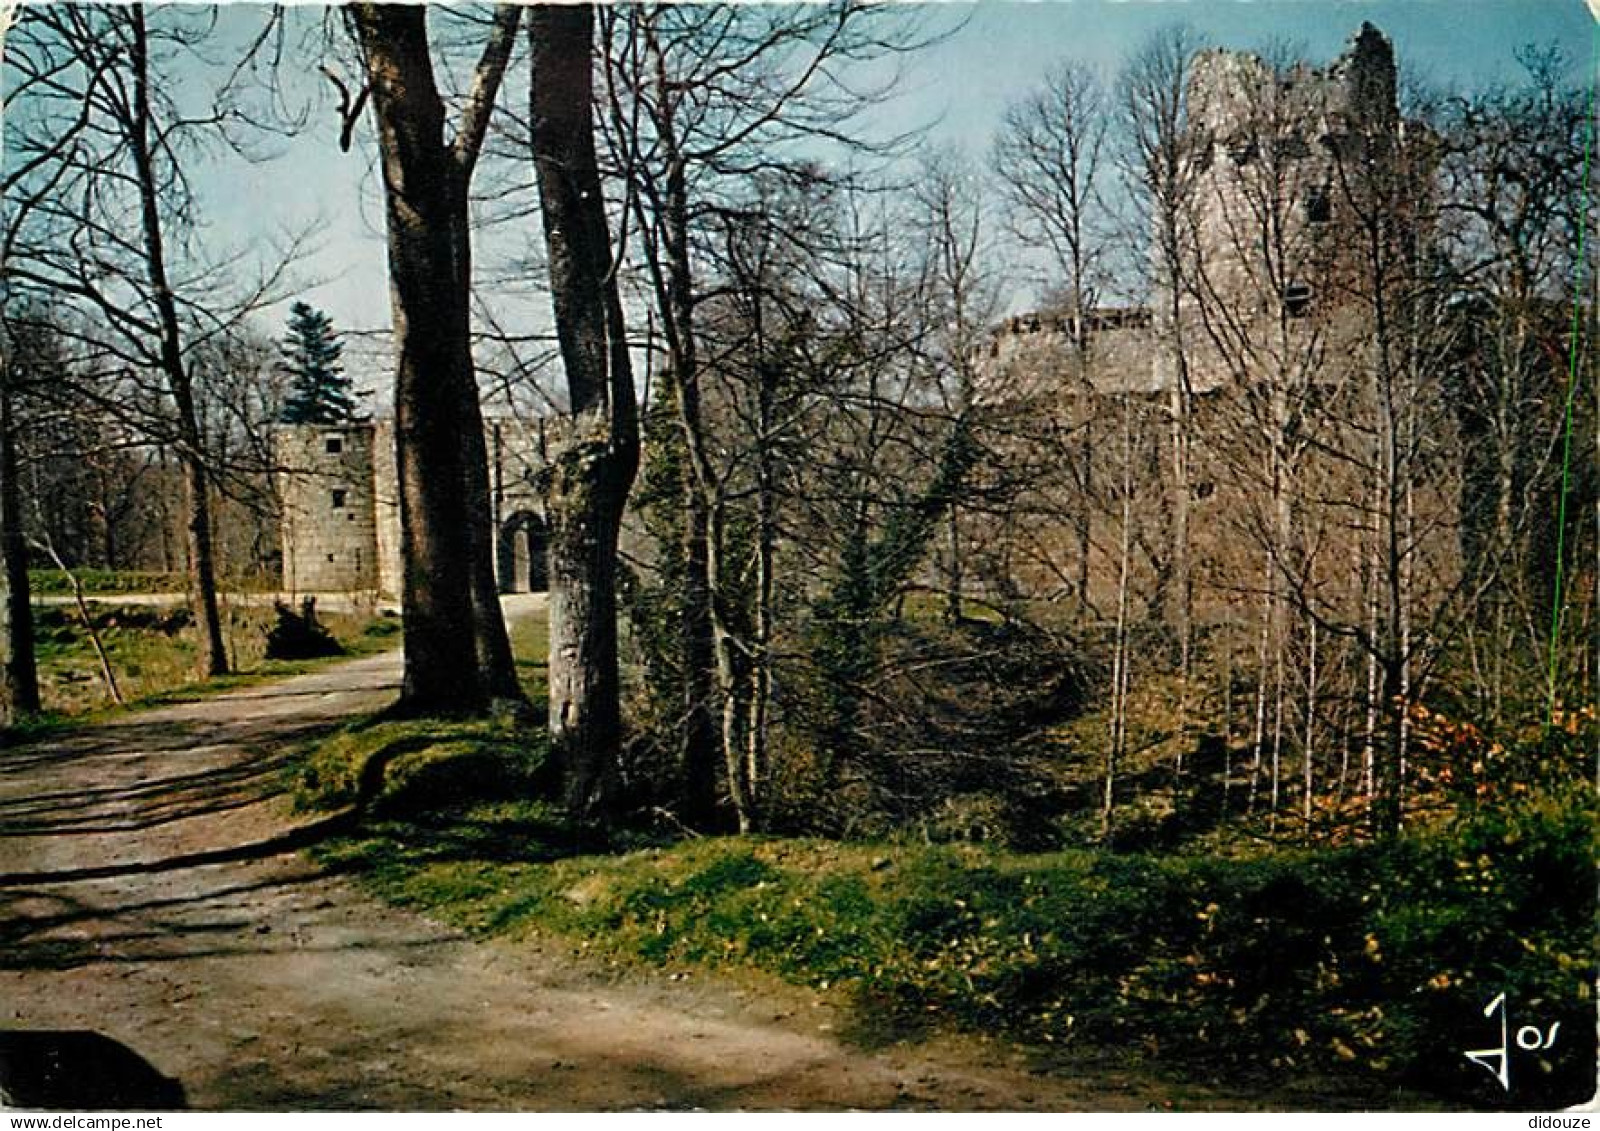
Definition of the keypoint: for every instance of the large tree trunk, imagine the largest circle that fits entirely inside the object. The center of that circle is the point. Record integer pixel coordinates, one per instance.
(490, 640)
(424, 195)
(202, 564)
(202, 558)
(430, 248)
(594, 470)
(699, 741)
(21, 669)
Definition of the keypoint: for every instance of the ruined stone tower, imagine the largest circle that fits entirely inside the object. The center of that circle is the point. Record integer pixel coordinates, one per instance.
(1288, 170)
(330, 522)
(1271, 263)
(339, 490)
(1279, 157)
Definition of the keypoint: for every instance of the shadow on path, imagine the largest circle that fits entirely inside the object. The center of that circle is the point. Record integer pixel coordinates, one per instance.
(302, 836)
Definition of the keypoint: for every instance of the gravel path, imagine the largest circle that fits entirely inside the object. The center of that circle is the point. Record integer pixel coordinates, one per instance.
(157, 921)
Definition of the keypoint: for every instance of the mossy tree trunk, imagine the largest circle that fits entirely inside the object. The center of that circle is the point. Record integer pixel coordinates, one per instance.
(594, 470)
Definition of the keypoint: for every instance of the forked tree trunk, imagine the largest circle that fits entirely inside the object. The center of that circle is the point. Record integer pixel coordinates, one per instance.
(594, 469)
(456, 650)
(441, 669)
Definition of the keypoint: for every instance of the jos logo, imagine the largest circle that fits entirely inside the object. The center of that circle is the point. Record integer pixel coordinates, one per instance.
(1530, 1038)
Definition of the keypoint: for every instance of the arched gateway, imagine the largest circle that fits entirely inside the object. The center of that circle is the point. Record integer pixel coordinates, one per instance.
(523, 565)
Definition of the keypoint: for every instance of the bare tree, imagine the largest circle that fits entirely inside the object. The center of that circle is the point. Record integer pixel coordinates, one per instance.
(1511, 162)
(1048, 157)
(1163, 162)
(760, 332)
(697, 97)
(113, 236)
(960, 301)
(599, 456)
(441, 458)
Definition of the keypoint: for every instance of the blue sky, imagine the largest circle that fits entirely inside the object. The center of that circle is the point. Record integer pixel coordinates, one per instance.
(961, 85)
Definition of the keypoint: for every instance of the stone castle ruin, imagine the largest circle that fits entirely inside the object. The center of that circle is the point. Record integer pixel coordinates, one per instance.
(1258, 329)
(1267, 242)
(1257, 306)
(340, 524)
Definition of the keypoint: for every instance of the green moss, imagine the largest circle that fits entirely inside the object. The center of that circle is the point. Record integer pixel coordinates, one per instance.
(419, 765)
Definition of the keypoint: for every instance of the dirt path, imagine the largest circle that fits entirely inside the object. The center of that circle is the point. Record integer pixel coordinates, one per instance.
(149, 893)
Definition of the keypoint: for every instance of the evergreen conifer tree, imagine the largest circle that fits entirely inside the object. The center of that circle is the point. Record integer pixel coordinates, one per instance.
(319, 392)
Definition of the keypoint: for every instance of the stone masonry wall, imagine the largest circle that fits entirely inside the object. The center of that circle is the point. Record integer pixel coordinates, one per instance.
(341, 520)
(328, 530)
(386, 499)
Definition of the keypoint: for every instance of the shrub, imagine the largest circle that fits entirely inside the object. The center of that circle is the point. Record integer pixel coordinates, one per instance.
(299, 635)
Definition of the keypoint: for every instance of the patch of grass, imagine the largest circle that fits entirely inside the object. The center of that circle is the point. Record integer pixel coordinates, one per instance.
(153, 650)
(1369, 962)
(53, 581)
(530, 644)
(420, 765)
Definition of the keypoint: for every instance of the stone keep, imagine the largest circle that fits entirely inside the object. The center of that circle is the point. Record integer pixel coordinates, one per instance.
(1255, 135)
(1278, 158)
(339, 489)
(329, 523)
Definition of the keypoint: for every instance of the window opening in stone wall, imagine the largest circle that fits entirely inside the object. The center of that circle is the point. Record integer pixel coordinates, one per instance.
(1319, 209)
(335, 445)
(1297, 299)
(338, 498)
